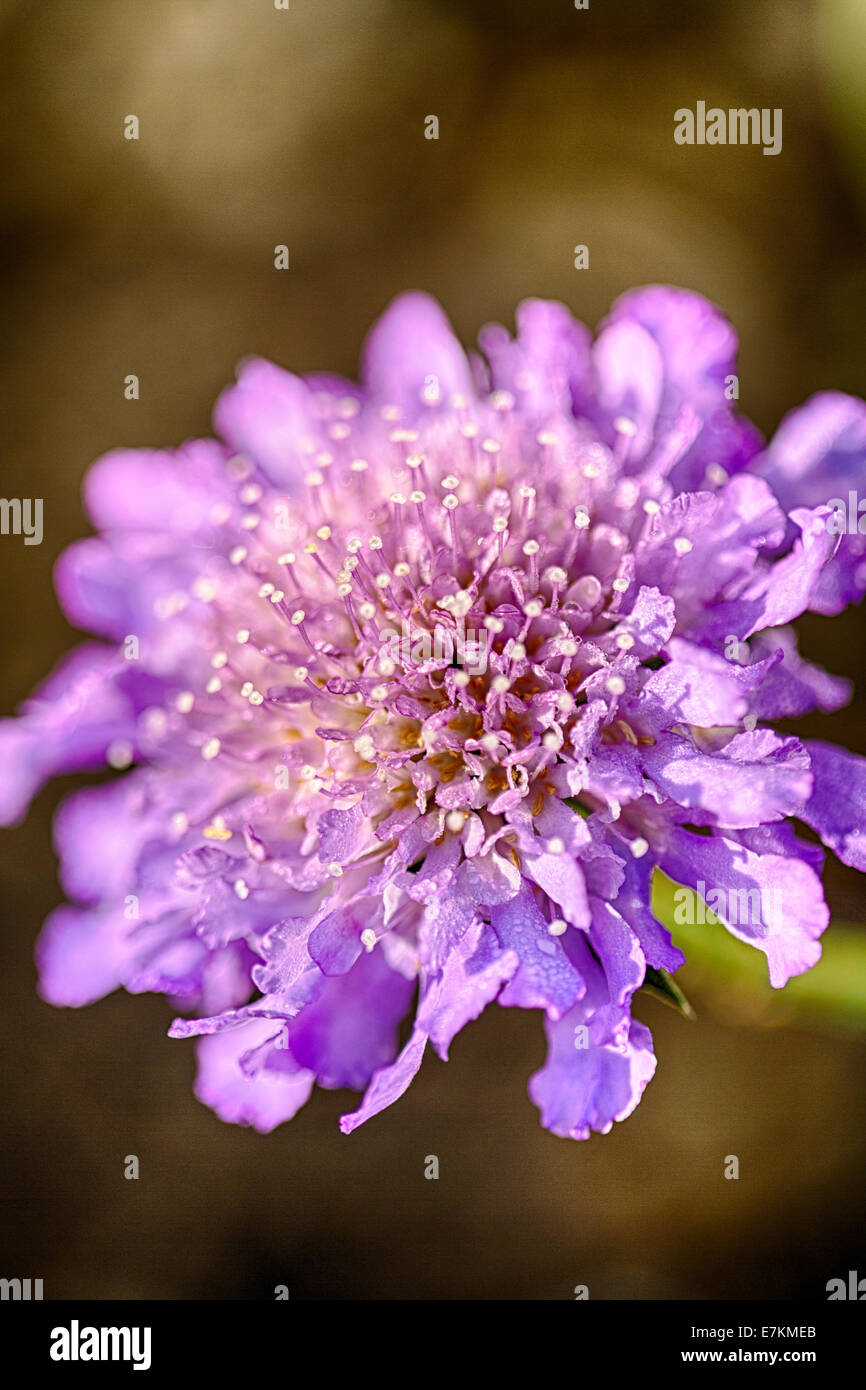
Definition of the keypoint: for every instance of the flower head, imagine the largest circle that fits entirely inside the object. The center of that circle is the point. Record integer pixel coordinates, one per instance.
(421, 680)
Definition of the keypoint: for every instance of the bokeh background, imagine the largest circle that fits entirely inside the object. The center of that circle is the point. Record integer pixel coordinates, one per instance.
(155, 257)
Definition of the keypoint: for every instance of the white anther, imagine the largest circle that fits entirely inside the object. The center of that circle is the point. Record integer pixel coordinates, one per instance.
(365, 747)
(119, 754)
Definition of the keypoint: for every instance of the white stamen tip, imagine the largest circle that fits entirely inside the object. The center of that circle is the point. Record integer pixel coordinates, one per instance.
(119, 754)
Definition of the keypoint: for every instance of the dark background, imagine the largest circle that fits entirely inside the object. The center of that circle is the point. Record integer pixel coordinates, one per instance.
(156, 258)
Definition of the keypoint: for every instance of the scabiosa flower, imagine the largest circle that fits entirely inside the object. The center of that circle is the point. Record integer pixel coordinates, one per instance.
(329, 826)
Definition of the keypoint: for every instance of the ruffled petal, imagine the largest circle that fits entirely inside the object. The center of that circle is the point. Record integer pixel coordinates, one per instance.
(91, 701)
(584, 1088)
(350, 1029)
(757, 777)
(818, 451)
(545, 978)
(264, 1100)
(546, 364)
(837, 810)
(472, 976)
(771, 901)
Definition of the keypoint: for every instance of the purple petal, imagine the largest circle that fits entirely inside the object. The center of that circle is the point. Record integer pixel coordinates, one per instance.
(264, 1100)
(580, 1089)
(545, 978)
(818, 451)
(618, 950)
(628, 366)
(698, 348)
(99, 833)
(697, 344)
(560, 877)
(67, 726)
(411, 344)
(471, 978)
(793, 686)
(784, 895)
(350, 1029)
(837, 810)
(389, 1084)
(342, 835)
(549, 357)
(632, 902)
(695, 687)
(649, 622)
(157, 490)
(83, 955)
(756, 777)
(267, 415)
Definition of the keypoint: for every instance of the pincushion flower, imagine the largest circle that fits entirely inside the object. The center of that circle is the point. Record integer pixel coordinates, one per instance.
(421, 680)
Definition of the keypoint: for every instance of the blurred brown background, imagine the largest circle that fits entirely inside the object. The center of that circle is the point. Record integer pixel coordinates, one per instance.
(155, 257)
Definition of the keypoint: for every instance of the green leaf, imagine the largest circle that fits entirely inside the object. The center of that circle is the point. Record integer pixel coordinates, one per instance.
(663, 986)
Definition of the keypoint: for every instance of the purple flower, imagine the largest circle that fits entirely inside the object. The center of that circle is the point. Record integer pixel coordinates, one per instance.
(422, 679)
